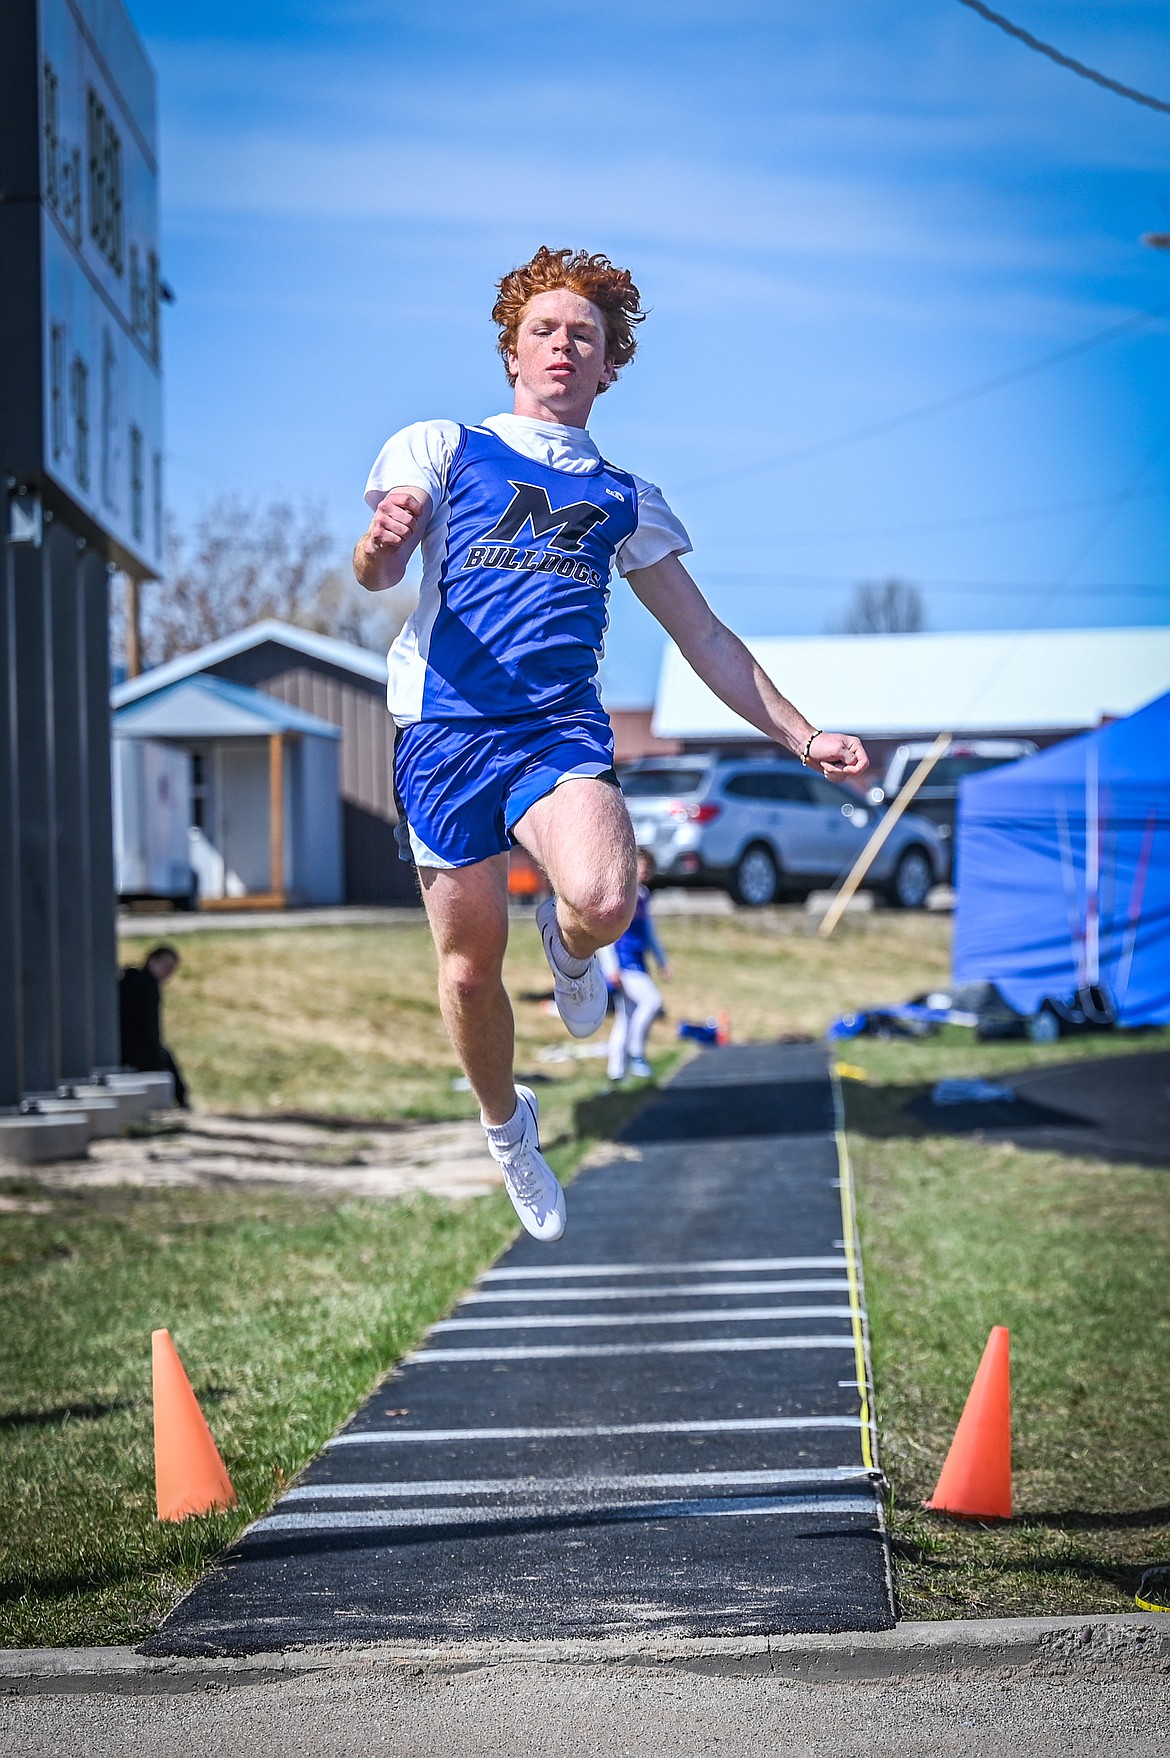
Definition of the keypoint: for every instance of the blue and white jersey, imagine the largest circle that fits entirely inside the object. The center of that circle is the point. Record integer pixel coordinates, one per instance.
(640, 940)
(516, 556)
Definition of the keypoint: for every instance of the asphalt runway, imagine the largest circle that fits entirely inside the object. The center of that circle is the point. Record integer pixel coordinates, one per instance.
(657, 1426)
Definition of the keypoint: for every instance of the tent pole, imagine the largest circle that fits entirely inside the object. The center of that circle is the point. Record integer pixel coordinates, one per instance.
(276, 816)
(1092, 868)
(1136, 897)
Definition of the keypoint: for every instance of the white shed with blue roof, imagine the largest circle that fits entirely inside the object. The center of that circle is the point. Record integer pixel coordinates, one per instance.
(265, 791)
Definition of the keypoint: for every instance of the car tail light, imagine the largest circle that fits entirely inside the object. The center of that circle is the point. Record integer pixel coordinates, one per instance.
(694, 814)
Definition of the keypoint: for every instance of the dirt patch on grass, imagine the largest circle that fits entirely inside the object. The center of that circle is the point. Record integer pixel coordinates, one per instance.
(327, 1156)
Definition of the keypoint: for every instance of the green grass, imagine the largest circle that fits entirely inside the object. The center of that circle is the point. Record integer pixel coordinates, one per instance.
(1073, 1255)
(285, 1310)
(343, 1021)
(288, 1309)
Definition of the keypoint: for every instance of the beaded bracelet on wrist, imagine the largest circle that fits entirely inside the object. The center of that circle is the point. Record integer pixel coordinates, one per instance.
(804, 755)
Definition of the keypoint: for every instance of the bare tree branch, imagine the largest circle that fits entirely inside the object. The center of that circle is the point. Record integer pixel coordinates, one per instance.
(240, 563)
(884, 607)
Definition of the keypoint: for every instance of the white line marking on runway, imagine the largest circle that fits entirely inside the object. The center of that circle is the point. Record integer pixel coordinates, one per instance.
(592, 1320)
(706, 1267)
(376, 1437)
(375, 1519)
(692, 1346)
(671, 1291)
(582, 1484)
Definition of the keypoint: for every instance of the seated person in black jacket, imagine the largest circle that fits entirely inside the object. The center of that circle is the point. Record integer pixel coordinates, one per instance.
(140, 1006)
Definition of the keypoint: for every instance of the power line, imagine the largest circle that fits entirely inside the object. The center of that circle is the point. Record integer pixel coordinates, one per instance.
(937, 406)
(1063, 580)
(1045, 590)
(1097, 530)
(796, 582)
(1103, 79)
(966, 522)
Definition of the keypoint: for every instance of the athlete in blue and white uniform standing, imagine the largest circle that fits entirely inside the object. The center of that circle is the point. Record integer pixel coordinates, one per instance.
(637, 999)
(493, 682)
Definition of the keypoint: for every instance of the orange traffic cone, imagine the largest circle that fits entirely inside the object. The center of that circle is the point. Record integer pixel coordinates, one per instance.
(976, 1477)
(189, 1474)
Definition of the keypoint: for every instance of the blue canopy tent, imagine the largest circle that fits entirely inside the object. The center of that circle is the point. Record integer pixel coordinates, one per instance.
(1063, 864)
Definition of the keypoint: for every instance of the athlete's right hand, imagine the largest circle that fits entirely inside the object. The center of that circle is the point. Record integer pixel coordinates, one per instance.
(396, 520)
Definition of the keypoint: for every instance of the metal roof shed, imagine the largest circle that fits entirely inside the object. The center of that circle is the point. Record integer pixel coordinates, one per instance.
(339, 683)
(266, 791)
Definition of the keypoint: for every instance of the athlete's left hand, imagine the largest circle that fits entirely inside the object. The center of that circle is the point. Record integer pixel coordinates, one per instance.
(837, 755)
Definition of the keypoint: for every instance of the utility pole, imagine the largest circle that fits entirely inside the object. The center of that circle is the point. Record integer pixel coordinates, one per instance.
(133, 625)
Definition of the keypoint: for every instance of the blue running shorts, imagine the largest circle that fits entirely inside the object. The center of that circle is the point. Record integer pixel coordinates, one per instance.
(461, 785)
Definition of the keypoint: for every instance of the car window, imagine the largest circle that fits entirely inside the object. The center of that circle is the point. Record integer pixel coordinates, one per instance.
(744, 787)
(644, 784)
(826, 793)
(948, 770)
(783, 785)
(765, 784)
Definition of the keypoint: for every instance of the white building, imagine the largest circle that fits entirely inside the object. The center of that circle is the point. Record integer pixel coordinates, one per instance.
(1040, 684)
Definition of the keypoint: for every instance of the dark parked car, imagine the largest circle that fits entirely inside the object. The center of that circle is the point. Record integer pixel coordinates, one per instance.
(938, 797)
(767, 828)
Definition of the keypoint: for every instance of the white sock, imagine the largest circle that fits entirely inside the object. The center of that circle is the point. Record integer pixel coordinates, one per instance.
(507, 1135)
(564, 960)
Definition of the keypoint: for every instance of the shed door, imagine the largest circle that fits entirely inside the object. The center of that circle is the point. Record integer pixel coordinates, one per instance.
(243, 816)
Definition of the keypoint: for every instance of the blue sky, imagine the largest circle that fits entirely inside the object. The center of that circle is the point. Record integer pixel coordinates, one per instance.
(836, 213)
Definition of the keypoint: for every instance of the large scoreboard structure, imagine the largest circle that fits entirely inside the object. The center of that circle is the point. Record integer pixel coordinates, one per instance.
(81, 493)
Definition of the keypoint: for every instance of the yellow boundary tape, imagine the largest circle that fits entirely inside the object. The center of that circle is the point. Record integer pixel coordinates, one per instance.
(853, 1272)
(1149, 1604)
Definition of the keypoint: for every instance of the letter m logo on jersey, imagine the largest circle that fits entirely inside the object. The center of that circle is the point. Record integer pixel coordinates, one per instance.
(530, 506)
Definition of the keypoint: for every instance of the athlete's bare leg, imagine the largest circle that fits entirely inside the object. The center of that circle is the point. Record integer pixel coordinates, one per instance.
(582, 836)
(468, 911)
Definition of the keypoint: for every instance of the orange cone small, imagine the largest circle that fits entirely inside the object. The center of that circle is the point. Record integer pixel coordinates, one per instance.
(976, 1478)
(189, 1474)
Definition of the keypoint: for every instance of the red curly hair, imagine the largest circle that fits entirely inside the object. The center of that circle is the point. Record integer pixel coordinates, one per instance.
(594, 277)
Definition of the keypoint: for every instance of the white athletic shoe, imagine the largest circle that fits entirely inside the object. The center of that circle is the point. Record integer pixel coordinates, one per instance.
(529, 1179)
(581, 1001)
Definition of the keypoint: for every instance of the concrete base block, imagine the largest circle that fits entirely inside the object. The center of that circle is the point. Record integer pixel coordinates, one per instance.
(27, 1140)
(132, 1101)
(105, 1114)
(130, 1092)
(160, 1085)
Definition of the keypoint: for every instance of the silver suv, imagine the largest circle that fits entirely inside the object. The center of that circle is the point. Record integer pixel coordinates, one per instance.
(766, 828)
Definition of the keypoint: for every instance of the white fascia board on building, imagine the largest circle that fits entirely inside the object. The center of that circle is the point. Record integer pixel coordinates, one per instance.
(211, 707)
(340, 653)
(893, 684)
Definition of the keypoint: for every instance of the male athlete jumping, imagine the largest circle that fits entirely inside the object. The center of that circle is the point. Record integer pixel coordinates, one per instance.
(493, 682)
